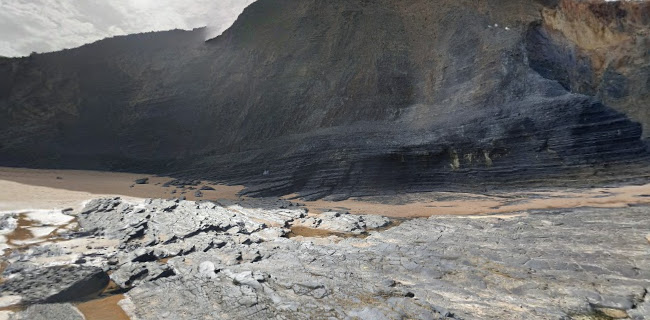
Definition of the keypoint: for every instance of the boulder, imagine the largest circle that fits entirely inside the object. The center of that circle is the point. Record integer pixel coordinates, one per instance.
(55, 284)
(142, 181)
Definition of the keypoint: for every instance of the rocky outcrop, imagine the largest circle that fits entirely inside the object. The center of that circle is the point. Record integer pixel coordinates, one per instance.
(348, 98)
(569, 264)
(50, 312)
(53, 284)
(598, 48)
(343, 222)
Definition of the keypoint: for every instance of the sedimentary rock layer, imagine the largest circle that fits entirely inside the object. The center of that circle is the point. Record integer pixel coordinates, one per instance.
(187, 260)
(598, 48)
(345, 98)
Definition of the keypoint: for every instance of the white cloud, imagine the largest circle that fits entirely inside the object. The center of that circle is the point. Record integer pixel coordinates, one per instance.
(47, 25)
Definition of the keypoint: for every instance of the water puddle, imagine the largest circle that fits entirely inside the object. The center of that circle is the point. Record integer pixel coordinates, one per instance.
(22, 232)
(165, 260)
(104, 309)
(39, 227)
(13, 308)
(306, 232)
(426, 204)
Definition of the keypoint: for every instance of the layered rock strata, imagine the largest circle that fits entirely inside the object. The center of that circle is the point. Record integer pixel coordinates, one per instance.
(349, 98)
(186, 260)
(598, 48)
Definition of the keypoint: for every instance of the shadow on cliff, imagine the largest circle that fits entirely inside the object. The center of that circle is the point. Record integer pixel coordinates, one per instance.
(335, 100)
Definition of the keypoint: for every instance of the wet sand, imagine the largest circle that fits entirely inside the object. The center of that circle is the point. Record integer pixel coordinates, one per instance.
(41, 189)
(427, 204)
(23, 191)
(59, 189)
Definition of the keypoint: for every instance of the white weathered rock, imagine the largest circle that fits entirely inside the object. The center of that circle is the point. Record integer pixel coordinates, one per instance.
(343, 222)
(206, 269)
(9, 300)
(49, 217)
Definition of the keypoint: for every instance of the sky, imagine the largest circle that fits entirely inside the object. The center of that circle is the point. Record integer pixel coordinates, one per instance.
(49, 25)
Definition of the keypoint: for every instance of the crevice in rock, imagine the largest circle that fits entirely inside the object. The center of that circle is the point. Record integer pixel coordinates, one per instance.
(137, 276)
(165, 274)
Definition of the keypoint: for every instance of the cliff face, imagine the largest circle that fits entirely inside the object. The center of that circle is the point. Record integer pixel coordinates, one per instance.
(338, 98)
(600, 49)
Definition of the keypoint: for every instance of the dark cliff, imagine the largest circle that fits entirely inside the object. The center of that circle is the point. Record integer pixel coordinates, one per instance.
(341, 98)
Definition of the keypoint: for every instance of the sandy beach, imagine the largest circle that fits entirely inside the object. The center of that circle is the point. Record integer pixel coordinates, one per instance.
(60, 189)
(36, 199)
(441, 203)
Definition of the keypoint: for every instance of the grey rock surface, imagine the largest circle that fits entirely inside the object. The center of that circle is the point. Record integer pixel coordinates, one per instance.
(270, 211)
(49, 312)
(214, 264)
(189, 260)
(343, 222)
(54, 284)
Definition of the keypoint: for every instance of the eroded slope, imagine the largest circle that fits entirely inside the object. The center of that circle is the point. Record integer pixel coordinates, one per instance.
(328, 98)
